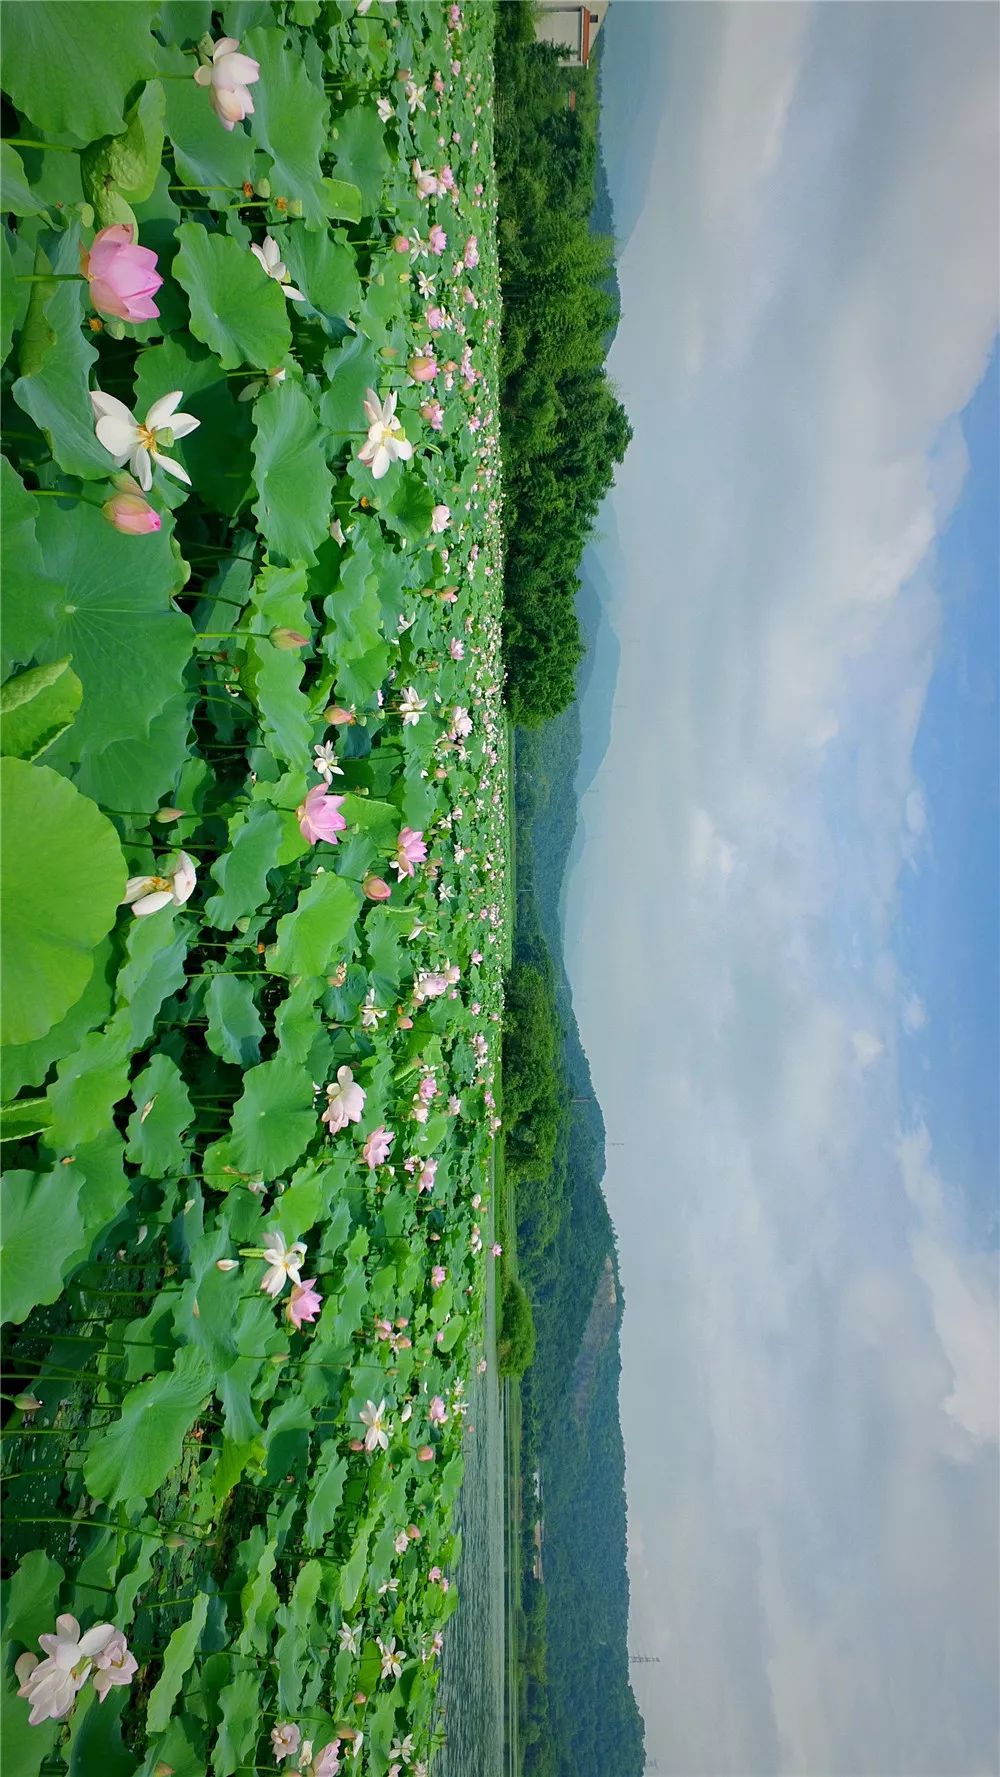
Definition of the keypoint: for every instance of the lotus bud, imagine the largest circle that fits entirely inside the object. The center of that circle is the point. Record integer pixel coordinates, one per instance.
(27, 1403)
(288, 639)
(400, 244)
(376, 889)
(131, 514)
(337, 717)
(425, 1453)
(413, 1533)
(227, 1264)
(175, 1541)
(360, 1697)
(422, 369)
(162, 1770)
(295, 206)
(357, 1443)
(165, 815)
(263, 188)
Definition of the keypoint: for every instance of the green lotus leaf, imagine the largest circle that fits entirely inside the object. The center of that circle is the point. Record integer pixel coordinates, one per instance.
(16, 194)
(236, 309)
(294, 484)
(274, 1118)
(242, 871)
(72, 68)
(122, 168)
(37, 707)
(40, 1231)
(162, 1112)
(234, 1024)
(178, 1660)
(132, 1457)
(360, 153)
(63, 878)
(290, 121)
(310, 936)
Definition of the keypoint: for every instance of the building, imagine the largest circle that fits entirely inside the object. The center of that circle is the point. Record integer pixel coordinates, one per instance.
(573, 29)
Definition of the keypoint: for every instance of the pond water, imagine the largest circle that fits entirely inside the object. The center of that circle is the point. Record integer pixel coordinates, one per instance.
(473, 1664)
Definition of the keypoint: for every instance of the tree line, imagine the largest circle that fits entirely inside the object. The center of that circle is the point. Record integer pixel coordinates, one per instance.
(563, 428)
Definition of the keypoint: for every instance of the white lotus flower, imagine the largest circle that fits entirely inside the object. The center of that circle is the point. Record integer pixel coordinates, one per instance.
(284, 1262)
(411, 707)
(378, 1430)
(348, 1639)
(147, 894)
(392, 1656)
(386, 439)
(50, 1685)
(269, 256)
(139, 445)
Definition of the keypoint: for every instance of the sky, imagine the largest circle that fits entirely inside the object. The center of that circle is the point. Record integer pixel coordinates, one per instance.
(781, 924)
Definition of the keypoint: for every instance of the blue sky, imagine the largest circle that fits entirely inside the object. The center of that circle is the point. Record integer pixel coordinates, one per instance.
(781, 929)
(948, 925)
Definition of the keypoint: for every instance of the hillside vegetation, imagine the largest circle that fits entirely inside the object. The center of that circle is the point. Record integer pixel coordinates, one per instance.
(563, 427)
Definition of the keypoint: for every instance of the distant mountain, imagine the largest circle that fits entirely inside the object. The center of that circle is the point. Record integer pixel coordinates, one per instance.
(632, 55)
(578, 1698)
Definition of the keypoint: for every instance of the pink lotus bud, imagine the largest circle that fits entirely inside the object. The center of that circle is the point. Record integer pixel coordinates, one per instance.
(337, 717)
(27, 1403)
(360, 1697)
(357, 1443)
(422, 369)
(400, 244)
(425, 1453)
(287, 639)
(123, 277)
(131, 514)
(376, 889)
(165, 815)
(227, 1264)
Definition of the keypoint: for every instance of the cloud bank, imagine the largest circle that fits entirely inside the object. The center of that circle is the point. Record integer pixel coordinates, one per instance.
(809, 1390)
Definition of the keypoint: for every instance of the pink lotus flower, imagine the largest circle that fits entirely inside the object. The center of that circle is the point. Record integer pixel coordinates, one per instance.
(229, 75)
(426, 1180)
(376, 889)
(422, 369)
(286, 1737)
(438, 1275)
(437, 240)
(435, 319)
(113, 1665)
(496, 1249)
(433, 413)
(123, 277)
(345, 1101)
(327, 1760)
(51, 1685)
(440, 519)
(319, 816)
(304, 1302)
(456, 649)
(410, 850)
(376, 1149)
(470, 257)
(129, 512)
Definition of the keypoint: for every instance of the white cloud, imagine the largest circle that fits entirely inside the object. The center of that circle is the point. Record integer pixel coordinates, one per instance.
(913, 1014)
(868, 1048)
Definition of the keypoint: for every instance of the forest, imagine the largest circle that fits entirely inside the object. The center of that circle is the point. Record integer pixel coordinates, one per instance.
(563, 427)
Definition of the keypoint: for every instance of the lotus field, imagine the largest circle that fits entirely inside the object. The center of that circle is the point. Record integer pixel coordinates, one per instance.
(253, 780)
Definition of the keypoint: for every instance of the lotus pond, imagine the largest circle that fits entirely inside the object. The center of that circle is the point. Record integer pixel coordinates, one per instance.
(253, 776)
